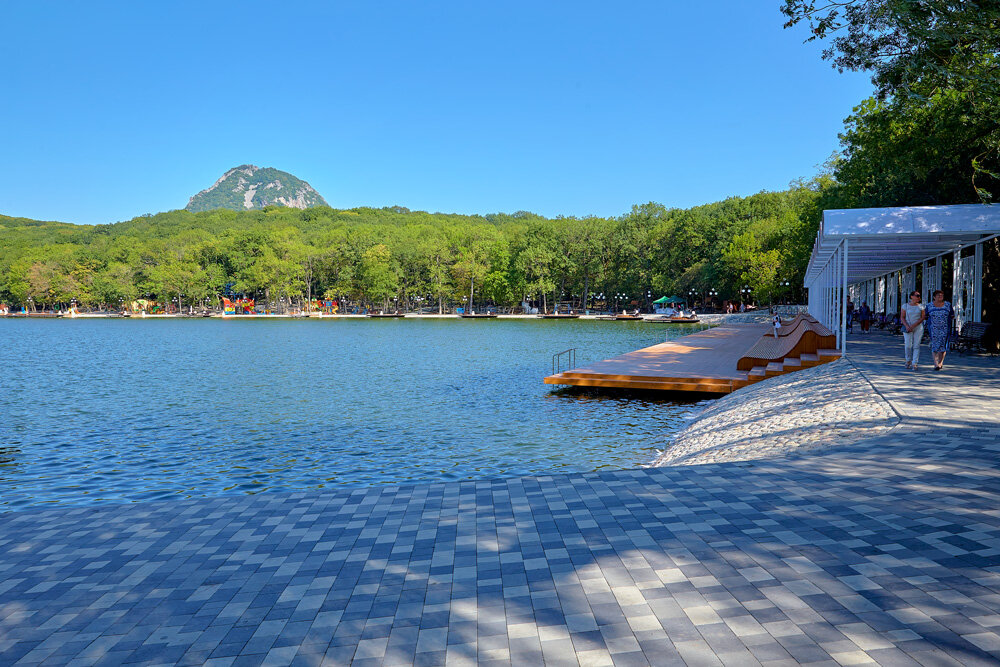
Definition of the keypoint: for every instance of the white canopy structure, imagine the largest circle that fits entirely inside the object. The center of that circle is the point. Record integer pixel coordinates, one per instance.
(876, 254)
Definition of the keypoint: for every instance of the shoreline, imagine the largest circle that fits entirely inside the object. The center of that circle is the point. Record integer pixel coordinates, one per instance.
(706, 318)
(802, 412)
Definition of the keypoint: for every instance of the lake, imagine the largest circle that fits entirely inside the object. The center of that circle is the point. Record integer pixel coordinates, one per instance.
(96, 411)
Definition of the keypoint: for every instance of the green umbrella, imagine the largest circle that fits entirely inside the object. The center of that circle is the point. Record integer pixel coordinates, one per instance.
(669, 299)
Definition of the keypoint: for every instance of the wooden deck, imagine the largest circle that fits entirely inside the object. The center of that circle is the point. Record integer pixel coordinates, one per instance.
(701, 362)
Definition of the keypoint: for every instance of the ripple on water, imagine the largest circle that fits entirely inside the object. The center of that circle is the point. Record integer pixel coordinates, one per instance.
(160, 409)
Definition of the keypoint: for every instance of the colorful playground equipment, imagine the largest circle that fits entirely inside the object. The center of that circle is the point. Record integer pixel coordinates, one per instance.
(326, 306)
(146, 306)
(238, 306)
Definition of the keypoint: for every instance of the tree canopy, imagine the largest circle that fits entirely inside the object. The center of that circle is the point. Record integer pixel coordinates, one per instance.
(931, 132)
(374, 256)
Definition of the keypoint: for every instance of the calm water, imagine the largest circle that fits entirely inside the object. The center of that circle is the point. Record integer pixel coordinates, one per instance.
(126, 410)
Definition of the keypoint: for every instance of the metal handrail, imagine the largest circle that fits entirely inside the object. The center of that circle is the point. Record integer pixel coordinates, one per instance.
(557, 360)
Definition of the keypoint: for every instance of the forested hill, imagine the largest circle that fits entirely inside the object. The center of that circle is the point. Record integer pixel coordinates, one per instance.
(374, 255)
(250, 187)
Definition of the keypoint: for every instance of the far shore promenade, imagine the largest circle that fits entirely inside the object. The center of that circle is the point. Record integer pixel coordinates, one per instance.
(761, 315)
(881, 551)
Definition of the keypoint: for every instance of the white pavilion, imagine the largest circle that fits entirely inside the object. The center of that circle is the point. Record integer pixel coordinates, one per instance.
(875, 255)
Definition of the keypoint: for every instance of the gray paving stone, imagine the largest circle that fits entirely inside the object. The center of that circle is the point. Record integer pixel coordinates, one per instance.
(884, 550)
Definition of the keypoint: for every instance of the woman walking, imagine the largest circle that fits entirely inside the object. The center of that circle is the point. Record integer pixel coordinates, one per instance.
(939, 315)
(912, 316)
(865, 316)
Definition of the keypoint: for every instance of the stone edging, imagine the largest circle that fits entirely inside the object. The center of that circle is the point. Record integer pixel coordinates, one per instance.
(831, 404)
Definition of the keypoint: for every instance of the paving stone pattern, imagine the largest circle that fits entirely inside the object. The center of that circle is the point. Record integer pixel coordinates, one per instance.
(882, 552)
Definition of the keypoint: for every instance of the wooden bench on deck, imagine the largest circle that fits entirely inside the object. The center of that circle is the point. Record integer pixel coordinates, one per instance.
(803, 335)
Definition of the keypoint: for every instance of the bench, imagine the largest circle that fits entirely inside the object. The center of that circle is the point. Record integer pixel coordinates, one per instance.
(971, 337)
(803, 335)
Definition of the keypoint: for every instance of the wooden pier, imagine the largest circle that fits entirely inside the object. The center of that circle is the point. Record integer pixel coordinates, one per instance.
(705, 362)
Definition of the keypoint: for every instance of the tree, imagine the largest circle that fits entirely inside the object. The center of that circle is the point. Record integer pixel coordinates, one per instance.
(536, 259)
(334, 270)
(917, 153)
(378, 279)
(632, 239)
(912, 47)
(265, 261)
(758, 268)
(114, 284)
(936, 69)
(439, 256)
(472, 250)
(14, 279)
(49, 284)
(170, 278)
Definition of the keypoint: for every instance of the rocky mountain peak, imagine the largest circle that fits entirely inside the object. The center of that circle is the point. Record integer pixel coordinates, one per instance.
(249, 187)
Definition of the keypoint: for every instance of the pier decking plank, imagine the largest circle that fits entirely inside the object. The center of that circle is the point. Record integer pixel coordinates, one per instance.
(703, 361)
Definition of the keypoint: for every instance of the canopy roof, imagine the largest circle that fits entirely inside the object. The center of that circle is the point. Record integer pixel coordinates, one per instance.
(882, 240)
(670, 299)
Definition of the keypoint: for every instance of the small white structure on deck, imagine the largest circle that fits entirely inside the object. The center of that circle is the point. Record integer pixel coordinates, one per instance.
(875, 254)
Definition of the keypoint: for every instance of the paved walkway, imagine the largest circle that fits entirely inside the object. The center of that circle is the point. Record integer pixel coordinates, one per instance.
(884, 552)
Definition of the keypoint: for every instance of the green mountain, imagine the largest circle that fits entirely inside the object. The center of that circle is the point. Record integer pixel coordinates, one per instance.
(249, 187)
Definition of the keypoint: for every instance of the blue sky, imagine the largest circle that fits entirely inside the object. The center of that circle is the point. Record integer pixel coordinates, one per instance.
(109, 110)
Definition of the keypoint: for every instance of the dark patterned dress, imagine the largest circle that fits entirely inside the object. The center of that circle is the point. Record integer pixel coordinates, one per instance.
(939, 325)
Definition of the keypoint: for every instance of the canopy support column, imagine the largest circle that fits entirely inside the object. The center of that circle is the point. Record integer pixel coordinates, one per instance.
(843, 306)
(957, 295)
(977, 286)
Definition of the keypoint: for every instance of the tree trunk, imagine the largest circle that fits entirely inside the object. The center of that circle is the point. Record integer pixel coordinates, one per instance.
(586, 286)
(309, 284)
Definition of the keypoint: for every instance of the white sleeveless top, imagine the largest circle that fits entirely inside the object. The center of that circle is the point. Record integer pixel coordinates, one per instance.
(912, 313)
